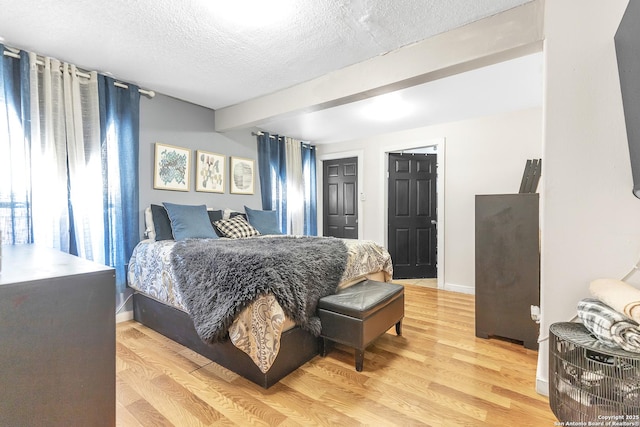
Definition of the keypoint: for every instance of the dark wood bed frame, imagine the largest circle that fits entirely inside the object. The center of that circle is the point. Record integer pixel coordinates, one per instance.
(296, 345)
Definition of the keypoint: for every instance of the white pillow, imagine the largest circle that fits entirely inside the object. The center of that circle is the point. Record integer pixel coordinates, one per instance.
(226, 214)
(150, 230)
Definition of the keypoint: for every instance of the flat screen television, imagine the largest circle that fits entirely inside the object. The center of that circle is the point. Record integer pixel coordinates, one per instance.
(627, 42)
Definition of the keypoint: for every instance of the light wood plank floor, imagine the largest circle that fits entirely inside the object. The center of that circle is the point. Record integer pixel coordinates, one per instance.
(438, 373)
(428, 283)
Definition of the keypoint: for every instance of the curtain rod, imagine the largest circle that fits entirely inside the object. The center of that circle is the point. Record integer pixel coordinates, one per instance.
(149, 93)
(271, 136)
(261, 133)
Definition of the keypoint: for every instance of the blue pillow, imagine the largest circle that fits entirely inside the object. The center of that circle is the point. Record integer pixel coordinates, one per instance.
(266, 222)
(190, 222)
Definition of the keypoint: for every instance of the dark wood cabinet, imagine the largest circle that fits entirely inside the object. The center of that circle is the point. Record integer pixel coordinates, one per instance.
(507, 256)
(57, 339)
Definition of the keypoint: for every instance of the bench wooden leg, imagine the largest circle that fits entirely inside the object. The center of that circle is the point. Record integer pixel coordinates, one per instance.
(399, 328)
(359, 360)
(325, 346)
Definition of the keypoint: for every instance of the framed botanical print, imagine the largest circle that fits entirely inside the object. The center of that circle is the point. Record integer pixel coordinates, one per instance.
(172, 167)
(242, 175)
(210, 172)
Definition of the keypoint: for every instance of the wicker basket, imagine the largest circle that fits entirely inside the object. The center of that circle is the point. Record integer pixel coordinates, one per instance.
(589, 381)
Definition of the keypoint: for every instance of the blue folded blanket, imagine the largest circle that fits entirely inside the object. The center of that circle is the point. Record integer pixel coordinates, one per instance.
(609, 326)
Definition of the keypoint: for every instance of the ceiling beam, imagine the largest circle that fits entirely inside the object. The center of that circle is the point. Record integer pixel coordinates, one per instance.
(507, 35)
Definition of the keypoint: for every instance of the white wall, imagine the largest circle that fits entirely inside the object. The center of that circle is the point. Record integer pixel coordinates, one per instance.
(483, 156)
(591, 226)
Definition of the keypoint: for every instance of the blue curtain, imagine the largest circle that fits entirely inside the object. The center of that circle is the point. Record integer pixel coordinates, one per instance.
(273, 176)
(273, 180)
(119, 132)
(310, 193)
(15, 148)
(119, 144)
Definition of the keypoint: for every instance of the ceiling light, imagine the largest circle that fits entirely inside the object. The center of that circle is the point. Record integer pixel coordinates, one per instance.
(388, 107)
(252, 13)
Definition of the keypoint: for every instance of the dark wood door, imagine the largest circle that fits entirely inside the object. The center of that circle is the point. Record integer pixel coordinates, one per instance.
(340, 183)
(413, 215)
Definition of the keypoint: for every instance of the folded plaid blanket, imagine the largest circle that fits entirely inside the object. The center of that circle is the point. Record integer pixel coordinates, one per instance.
(609, 326)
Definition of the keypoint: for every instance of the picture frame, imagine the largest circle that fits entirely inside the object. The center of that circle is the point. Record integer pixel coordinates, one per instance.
(210, 172)
(241, 175)
(172, 167)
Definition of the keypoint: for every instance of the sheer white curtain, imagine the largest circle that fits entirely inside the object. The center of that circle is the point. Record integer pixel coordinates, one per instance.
(66, 131)
(85, 162)
(48, 155)
(295, 186)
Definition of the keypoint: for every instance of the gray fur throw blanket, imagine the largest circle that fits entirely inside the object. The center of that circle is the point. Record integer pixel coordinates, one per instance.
(218, 277)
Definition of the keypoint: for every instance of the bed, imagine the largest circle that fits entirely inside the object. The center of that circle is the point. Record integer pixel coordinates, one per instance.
(263, 339)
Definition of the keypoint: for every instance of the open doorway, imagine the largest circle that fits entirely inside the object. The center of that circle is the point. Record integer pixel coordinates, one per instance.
(412, 214)
(429, 157)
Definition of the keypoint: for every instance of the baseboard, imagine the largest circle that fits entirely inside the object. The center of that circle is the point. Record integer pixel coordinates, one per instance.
(124, 316)
(463, 289)
(542, 387)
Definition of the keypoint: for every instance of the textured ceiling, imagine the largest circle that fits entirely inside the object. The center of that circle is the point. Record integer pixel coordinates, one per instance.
(196, 51)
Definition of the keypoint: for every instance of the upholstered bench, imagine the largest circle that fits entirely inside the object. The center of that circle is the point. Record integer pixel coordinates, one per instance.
(357, 315)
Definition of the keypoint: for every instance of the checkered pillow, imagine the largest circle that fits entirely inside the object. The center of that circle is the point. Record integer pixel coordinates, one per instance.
(236, 227)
